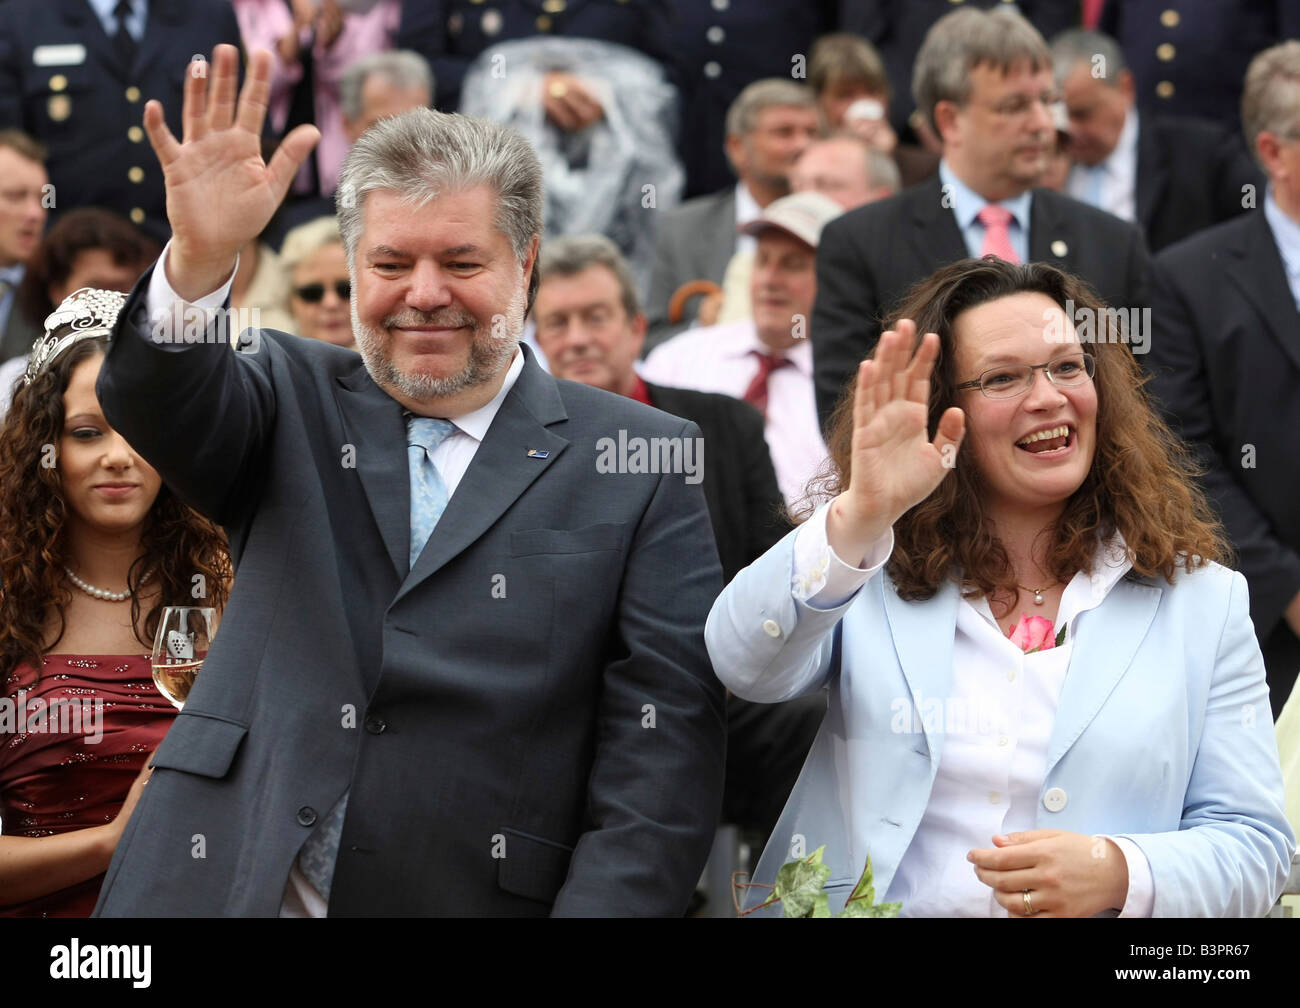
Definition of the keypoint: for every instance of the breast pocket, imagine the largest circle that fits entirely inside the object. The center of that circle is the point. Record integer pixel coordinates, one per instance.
(591, 539)
(58, 102)
(533, 867)
(200, 744)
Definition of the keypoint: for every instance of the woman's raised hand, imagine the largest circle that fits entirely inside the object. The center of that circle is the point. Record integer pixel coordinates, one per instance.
(220, 193)
(895, 465)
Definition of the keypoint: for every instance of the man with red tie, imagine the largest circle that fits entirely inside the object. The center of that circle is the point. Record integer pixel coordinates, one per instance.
(766, 359)
(983, 81)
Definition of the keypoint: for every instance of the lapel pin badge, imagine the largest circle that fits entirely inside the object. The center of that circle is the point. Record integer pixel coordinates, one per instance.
(537, 453)
(1059, 248)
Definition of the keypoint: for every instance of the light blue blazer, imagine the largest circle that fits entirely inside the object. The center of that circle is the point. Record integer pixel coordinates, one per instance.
(1163, 733)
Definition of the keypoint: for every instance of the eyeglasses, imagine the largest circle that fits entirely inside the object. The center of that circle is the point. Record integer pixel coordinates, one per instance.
(1017, 106)
(315, 293)
(1011, 380)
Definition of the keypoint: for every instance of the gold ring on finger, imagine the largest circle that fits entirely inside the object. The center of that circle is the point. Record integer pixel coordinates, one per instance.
(1029, 907)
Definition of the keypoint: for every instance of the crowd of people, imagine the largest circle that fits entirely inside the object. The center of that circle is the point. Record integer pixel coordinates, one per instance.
(861, 423)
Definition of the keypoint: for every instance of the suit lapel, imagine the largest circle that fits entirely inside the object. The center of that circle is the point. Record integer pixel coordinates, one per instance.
(1108, 638)
(936, 237)
(924, 655)
(724, 226)
(84, 26)
(1255, 266)
(501, 471)
(1151, 175)
(1051, 238)
(159, 35)
(374, 426)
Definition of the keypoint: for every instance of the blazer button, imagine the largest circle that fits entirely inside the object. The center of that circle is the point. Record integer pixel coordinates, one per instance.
(771, 628)
(306, 816)
(1055, 799)
(376, 725)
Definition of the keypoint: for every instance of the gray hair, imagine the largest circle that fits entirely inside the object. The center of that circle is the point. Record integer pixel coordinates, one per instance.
(1078, 45)
(1270, 99)
(882, 170)
(572, 254)
(422, 153)
(402, 68)
(770, 92)
(959, 42)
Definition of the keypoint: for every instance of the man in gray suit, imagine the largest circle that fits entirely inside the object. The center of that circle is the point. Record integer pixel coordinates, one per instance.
(461, 677)
(768, 126)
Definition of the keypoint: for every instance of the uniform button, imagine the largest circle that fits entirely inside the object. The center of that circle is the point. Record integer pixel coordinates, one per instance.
(135, 174)
(133, 93)
(1165, 52)
(771, 628)
(712, 69)
(137, 215)
(543, 22)
(721, 5)
(995, 797)
(1165, 89)
(58, 82)
(306, 816)
(376, 725)
(1170, 19)
(715, 35)
(135, 134)
(553, 6)
(1055, 799)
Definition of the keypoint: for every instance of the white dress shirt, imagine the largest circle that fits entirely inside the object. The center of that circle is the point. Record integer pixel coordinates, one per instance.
(1111, 185)
(747, 209)
(721, 359)
(451, 458)
(997, 721)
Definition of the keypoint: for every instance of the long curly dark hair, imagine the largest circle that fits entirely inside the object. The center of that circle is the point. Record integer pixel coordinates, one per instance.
(176, 544)
(1143, 482)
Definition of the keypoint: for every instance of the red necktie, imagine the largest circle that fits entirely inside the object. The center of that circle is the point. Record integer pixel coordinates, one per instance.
(997, 233)
(756, 394)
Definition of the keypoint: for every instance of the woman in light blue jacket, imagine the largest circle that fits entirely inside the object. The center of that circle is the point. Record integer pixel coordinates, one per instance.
(1046, 697)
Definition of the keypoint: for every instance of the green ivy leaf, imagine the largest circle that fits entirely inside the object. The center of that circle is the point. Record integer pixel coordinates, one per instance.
(799, 883)
(865, 890)
(858, 908)
(821, 906)
(1060, 637)
(885, 910)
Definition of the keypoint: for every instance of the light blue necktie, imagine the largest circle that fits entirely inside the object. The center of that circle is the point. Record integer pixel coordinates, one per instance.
(428, 492)
(428, 502)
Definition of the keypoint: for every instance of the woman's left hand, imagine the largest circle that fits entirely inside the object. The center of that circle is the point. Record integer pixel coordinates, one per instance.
(1066, 874)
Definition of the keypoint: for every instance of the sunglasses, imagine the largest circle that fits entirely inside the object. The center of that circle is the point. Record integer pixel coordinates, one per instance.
(315, 293)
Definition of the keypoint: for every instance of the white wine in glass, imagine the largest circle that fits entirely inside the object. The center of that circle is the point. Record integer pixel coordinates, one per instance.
(184, 636)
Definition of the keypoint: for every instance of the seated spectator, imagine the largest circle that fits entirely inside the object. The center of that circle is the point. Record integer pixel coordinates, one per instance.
(1171, 175)
(767, 359)
(1225, 363)
(22, 218)
(319, 285)
(86, 247)
(844, 167)
(768, 127)
(590, 327)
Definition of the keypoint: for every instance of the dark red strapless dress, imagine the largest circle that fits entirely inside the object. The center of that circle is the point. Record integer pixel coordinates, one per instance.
(56, 775)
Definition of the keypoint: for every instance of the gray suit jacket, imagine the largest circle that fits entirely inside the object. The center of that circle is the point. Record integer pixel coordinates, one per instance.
(526, 722)
(695, 241)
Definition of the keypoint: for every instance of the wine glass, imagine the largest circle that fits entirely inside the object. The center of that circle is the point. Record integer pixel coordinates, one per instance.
(184, 635)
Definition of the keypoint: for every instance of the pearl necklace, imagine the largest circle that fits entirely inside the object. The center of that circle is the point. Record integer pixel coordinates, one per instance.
(1038, 592)
(101, 593)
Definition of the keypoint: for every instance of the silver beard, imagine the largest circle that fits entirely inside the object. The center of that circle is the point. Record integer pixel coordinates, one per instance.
(489, 351)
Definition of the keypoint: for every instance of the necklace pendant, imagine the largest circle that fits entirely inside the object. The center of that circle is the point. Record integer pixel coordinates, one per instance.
(1038, 598)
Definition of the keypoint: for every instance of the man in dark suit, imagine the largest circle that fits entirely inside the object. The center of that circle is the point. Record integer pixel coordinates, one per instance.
(461, 677)
(75, 74)
(984, 80)
(1225, 360)
(1171, 175)
(769, 125)
(23, 201)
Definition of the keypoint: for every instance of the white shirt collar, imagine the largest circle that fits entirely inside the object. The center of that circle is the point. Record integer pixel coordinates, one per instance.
(477, 422)
(799, 355)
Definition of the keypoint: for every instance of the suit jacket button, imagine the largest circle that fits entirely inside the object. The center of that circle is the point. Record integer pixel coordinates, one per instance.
(1055, 799)
(306, 816)
(376, 725)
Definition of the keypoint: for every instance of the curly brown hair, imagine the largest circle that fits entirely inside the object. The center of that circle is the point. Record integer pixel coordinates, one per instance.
(176, 544)
(1143, 481)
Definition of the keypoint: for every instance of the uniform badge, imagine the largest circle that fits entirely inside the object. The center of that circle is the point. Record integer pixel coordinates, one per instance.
(491, 23)
(60, 107)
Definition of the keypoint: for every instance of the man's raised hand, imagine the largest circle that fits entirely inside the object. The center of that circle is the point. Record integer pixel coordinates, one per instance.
(894, 464)
(220, 193)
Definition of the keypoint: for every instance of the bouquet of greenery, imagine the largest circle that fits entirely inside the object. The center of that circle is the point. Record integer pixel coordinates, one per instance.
(800, 891)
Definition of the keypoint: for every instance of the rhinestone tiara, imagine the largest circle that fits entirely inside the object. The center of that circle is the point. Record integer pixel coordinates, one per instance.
(84, 314)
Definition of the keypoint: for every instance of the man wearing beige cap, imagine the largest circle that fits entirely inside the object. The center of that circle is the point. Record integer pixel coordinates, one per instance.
(767, 359)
